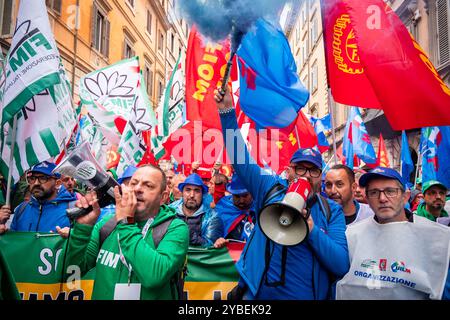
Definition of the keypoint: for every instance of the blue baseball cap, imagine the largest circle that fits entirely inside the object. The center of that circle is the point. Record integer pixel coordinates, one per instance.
(46, 168)
(195, 180)
(308, 155)
(236, 186)
(380, 172)
(128, 173)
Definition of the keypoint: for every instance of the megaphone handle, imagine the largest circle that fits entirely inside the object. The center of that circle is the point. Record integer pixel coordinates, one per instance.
(74, 213)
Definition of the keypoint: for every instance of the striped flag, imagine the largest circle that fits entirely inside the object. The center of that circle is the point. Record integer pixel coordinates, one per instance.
(142, 119)
(40, 100)
(171, 111)
(32, 64)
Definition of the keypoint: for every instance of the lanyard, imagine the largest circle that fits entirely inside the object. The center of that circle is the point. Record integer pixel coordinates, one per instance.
(146, 227)
(122, 257)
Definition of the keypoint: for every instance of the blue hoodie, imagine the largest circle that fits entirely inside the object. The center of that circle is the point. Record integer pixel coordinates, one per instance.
(45, 216)
(232, 215)
(311, 266)
(208, 230)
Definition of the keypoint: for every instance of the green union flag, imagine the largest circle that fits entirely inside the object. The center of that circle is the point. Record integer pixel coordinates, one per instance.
(211, 272)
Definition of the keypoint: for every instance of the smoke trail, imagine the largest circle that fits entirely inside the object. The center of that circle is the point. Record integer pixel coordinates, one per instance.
(216, 19)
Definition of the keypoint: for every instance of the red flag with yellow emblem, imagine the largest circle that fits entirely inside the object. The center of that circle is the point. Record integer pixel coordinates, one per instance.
(383, 160)
(373, 62)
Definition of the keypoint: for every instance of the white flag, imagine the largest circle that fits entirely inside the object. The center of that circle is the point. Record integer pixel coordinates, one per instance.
(33, 60)
(37, 91)
(142, 118)
(171, 111)
(111, 91)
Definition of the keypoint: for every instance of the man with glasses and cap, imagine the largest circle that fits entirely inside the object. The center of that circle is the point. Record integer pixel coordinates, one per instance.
(237, 212)
(269, 270)
(46, 210)
(395, 254)
(205, 226)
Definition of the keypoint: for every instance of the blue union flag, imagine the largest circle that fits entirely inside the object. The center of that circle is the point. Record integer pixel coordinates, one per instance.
(271, 93)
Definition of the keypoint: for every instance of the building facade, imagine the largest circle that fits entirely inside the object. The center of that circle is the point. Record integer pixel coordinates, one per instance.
(92, 34)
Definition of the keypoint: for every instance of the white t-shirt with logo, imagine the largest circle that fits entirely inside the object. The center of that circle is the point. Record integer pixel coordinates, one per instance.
(396, 261)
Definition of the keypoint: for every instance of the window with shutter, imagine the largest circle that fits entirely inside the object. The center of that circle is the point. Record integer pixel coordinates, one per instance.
(57, 6)
(149, 22)
(105, 45)
(54, 5)
(94, 26)
(443, 31)
(6, 13)
(128, 51)
(149, 78)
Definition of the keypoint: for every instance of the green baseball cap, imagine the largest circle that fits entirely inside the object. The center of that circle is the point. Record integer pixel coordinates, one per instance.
(427, 185)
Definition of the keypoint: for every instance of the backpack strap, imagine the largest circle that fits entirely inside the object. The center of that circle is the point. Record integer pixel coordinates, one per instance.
(177, 281)
(160, 230)
(106, 230)
(325, 206)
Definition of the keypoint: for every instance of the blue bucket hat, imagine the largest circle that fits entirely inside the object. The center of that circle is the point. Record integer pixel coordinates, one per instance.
(128, 173)
(46, 168)
(193, 179)
(236, 186)
(380, 172)
(308, 155)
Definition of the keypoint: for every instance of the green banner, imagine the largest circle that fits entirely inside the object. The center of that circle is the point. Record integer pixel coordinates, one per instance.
(36, 260)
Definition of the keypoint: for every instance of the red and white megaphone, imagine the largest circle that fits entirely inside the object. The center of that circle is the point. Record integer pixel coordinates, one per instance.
(283, 222)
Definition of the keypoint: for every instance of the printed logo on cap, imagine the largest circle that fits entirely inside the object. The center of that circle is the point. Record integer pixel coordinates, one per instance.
(43, 164)
(378, 170)
(308, 152)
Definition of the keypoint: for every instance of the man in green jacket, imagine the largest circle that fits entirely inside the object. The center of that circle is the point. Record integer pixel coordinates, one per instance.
(128, 266)
(434, 194)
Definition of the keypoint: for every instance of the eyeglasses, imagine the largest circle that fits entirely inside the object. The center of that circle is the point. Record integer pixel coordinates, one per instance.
(388, 192)
(301, 171)
(41, 179)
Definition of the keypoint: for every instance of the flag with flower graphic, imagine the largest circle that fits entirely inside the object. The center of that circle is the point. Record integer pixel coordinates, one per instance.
(110, 92)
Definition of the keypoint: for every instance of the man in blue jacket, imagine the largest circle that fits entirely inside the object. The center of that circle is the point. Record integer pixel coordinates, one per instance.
(46, 209)
(271, 271)
(237, 212)
(205, 226)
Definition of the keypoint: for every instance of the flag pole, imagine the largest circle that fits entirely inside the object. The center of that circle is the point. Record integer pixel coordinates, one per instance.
(333, 130)
(419, 163)
(296, 134)
(11, 162)
(13, 139)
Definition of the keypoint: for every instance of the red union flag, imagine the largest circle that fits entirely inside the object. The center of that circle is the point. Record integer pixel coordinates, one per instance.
(374, 62)
(205, 66)
(346, 74)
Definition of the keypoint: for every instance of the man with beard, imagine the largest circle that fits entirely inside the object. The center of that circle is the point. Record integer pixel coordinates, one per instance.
(434, 194)
(205, 226)
(269, 270)
(237, 212)
(46, 210)
(145, 247)
(340, 186)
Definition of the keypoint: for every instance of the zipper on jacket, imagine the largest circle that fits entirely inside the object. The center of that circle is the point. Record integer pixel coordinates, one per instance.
(39, 219)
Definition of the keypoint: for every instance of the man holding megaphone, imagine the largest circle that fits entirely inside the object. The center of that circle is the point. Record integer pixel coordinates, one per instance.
(298, 246)
(146, 245)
